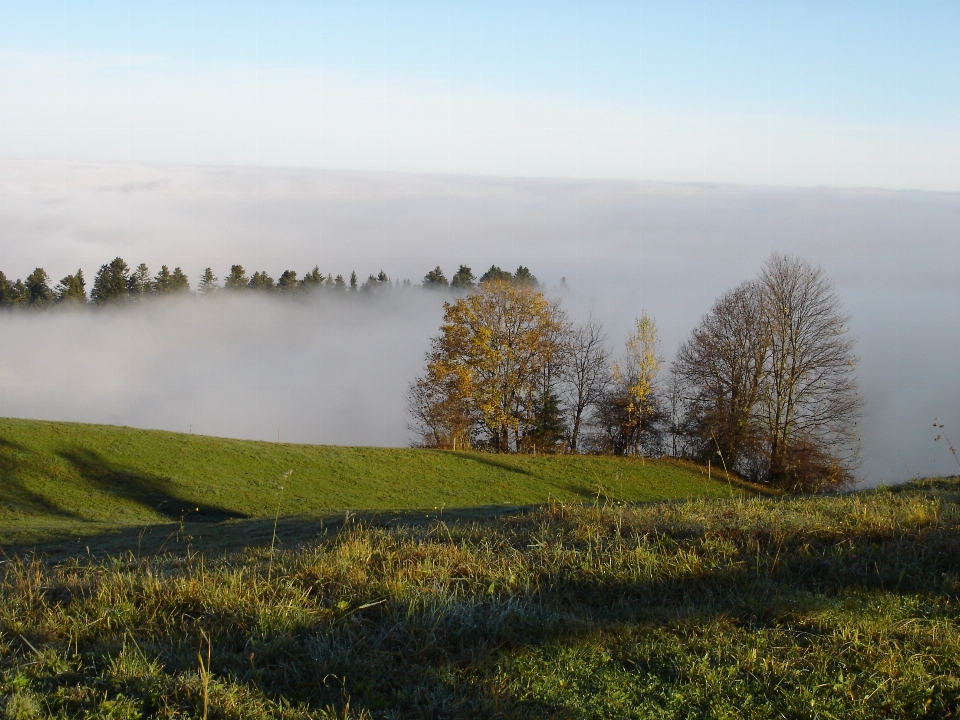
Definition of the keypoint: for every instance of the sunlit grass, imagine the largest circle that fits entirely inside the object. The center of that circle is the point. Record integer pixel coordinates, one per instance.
(69, 479)
(843, 606)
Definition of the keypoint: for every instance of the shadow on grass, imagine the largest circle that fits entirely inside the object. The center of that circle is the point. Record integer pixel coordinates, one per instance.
(484, 459)
(15, 462)
(393, 652)
(149, 491)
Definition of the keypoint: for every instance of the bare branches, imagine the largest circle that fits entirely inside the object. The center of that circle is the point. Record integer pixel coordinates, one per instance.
(587, 372)
(767, 377)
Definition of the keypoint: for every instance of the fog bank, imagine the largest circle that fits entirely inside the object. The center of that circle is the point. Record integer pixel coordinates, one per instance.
(336, 372)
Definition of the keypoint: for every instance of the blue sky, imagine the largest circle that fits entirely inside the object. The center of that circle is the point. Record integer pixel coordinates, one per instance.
(739, 79)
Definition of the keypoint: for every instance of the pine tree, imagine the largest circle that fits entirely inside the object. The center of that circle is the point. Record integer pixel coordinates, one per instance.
(72, 289)
(261, 281)
(208, 283)
(7, 293)
(353, 280)
(339, 283)
(111, 282)
(237, 279)
(435, 278)
(288, 281)
(140, 282)
(163, 281)
(38, 289)
(312, 279)
(179, 282)
(21, 295)
(463, 278)
(495, 274)
(523, 276)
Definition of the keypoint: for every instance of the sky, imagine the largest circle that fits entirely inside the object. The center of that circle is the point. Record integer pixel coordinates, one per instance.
(840, 94)
(653, 154)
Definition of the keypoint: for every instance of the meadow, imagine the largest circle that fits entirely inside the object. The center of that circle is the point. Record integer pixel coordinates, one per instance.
(63, 480)
(729, 604)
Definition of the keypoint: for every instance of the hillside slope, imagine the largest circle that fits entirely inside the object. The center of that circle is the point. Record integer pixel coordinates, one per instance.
(82, 477)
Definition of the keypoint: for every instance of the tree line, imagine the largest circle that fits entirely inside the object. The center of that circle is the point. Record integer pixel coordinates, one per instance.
(117, 282)
(764, 385)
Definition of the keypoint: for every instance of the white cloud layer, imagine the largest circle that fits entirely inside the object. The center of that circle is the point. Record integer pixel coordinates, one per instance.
(148, 109)
(336, 373)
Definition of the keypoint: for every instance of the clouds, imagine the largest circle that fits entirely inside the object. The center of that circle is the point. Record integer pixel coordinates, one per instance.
(246, 370)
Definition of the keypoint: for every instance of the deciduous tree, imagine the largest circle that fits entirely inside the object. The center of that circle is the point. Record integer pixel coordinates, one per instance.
(587, 375)
(487, 368)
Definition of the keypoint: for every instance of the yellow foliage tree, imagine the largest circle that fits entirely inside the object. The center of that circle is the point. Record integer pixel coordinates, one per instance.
(486, 369)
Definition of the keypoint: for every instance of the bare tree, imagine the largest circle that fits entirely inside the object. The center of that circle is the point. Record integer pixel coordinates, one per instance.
(809, 404)
(720, 370)
(767, 380)
(587, 371)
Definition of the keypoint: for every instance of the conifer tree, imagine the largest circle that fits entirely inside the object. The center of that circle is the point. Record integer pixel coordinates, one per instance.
(7, 294)
(111, 282)
(72, 289)
(237, 279)
(163, 281)
(179, 282)
(435, 278)
(21, 295)
(140, 282)
(312, 279)
(523, 276)
(339, 283)
(261, 281)
(208, 283)
(353, 280)
(463, 278)
(495, 274)
(288, 281)
(39, 293)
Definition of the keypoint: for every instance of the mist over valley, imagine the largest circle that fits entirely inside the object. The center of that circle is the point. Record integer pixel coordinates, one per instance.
(330, 369)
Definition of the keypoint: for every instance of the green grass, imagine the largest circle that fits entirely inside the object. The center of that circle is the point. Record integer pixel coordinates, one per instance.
(826, 607)
(69, 479)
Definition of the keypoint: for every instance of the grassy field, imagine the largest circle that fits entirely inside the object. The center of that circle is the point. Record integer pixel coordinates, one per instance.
(825, 607)
(73, 480)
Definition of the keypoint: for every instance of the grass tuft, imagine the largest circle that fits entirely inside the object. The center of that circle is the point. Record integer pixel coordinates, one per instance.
(842, 606)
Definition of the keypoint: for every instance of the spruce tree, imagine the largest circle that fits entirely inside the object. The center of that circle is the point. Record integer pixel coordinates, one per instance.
(237, 279)
(179, 282)
(523, 276)
(72, 289)
(339, 283)
(495, 274)
(21, 295)
(261, 281)
(163, 282)
(312, 279)
(353, 280)
(288, 281)
(463, 278)
(38, 289)
(208, 283)
(435, 278)
(7, 294)
(140, 282)
(111, 282)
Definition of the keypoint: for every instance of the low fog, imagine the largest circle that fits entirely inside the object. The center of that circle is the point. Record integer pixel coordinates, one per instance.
(335, 370)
